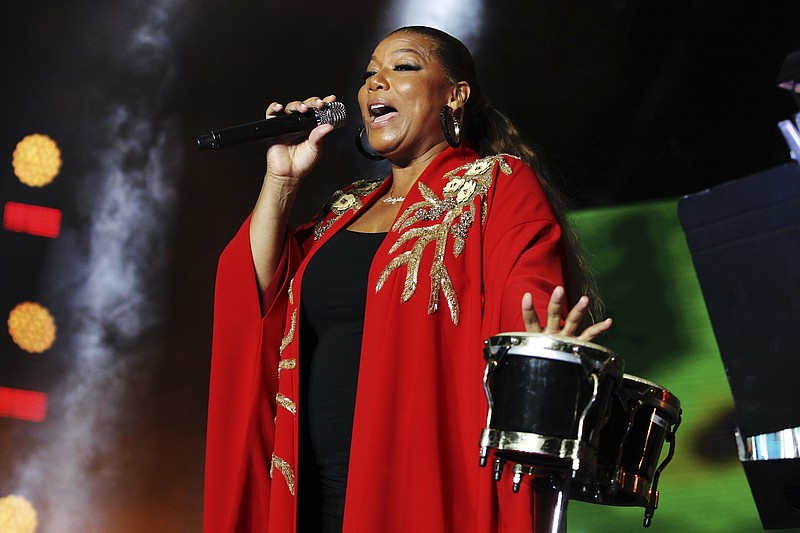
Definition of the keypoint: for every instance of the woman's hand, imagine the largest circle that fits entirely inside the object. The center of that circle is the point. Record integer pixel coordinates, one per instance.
(290, 160)
(553, 325)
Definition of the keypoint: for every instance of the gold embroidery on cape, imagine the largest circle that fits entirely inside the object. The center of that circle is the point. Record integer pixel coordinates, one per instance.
(286, 403)
(287, 340)
(284, 468)
(286, 364)
(344, 200)
(457, 213)
(291, 295)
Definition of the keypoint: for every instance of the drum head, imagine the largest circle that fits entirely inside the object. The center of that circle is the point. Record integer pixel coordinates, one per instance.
(650, 392)
(560, 347)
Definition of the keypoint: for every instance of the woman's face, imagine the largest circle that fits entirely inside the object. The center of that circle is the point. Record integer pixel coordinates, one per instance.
(404, 91)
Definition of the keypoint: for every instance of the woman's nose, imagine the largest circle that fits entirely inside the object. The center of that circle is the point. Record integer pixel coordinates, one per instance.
(377, 81)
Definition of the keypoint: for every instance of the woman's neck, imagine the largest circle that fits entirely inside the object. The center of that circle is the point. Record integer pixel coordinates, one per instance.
(405, 174)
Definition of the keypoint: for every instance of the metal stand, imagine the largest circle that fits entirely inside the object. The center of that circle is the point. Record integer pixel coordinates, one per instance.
(559, 494)
(549, 494)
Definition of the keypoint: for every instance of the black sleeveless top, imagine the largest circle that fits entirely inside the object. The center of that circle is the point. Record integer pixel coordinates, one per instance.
(334, 294)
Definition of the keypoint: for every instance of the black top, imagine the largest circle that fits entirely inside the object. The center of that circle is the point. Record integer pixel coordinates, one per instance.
(334, 294)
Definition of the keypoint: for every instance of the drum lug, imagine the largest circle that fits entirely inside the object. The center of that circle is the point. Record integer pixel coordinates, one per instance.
(517, 479)
(650, 510)
(499, 464)
(484, 455)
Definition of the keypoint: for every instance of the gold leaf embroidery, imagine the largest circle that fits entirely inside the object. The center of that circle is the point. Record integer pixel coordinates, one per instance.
(456, 212)
(342, 201)
(428, 194)
(322, 226)
(286, 364)
(287, 340)
(286, 403)
(284, 468)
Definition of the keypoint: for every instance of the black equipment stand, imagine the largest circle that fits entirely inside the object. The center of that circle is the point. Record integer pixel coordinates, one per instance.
(744, 237)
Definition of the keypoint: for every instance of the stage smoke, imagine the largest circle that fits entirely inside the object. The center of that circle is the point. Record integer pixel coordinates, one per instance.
(107, 276)
(460, 18)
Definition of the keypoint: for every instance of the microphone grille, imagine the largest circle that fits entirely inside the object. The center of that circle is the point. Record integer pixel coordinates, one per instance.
(333, 113)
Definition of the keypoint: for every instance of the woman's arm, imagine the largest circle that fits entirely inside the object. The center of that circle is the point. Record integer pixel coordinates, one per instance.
(287, 164)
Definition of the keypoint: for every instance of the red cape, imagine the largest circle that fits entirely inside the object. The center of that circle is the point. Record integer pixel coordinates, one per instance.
(472, 236)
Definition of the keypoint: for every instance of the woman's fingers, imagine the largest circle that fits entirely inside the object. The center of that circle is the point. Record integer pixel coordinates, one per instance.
(302, 106)
(554, 309)
(273, 109)
(595, 329)
(529, 314)
(299, 106)
(319, 133)
(575, 316)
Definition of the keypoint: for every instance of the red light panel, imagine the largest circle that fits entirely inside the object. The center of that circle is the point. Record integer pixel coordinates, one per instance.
(23, 404)
(32, 219)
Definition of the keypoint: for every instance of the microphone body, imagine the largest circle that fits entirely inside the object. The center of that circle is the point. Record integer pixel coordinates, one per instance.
(294, 123)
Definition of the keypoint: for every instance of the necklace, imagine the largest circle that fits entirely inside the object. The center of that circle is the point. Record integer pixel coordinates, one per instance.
(393, 199)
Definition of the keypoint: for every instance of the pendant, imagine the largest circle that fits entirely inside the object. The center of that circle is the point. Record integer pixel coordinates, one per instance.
(393, 199)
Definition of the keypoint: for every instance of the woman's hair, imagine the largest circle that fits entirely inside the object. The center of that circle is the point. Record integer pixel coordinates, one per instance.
(489, 132)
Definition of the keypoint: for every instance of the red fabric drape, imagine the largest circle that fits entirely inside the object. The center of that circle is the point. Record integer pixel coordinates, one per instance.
(420, 406)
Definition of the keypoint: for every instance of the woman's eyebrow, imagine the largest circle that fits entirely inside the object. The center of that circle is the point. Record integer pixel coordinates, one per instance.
(404, 51)
(408, 51)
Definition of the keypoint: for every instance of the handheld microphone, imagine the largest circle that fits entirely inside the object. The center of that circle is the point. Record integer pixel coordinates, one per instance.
(333, 113)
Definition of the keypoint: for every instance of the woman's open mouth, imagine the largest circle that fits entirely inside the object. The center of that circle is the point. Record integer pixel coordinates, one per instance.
(380, 113)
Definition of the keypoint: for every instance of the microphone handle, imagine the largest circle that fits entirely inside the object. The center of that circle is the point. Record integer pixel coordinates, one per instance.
(260, 129)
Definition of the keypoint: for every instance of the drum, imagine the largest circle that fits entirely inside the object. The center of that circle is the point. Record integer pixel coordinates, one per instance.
(548, 396)
(643, 416)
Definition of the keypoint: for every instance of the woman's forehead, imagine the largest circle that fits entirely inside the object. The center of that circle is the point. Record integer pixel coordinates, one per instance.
(405, 43)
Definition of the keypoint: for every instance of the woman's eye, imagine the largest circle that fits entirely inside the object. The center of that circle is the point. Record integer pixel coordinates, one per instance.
(401, 67)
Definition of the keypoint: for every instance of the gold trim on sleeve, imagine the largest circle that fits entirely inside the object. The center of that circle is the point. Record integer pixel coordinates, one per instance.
(286, 364)
(287, 340)
(284, 468)
(286, 403)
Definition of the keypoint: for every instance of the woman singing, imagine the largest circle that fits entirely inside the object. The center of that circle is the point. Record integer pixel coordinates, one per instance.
(347, 357)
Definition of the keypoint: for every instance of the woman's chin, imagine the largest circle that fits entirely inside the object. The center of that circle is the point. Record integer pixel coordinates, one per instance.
(385, 145)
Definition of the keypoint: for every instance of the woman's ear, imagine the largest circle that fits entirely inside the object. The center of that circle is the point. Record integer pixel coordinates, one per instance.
(459, 95)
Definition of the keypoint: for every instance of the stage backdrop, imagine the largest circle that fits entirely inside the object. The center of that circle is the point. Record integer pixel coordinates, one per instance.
(662, 332)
